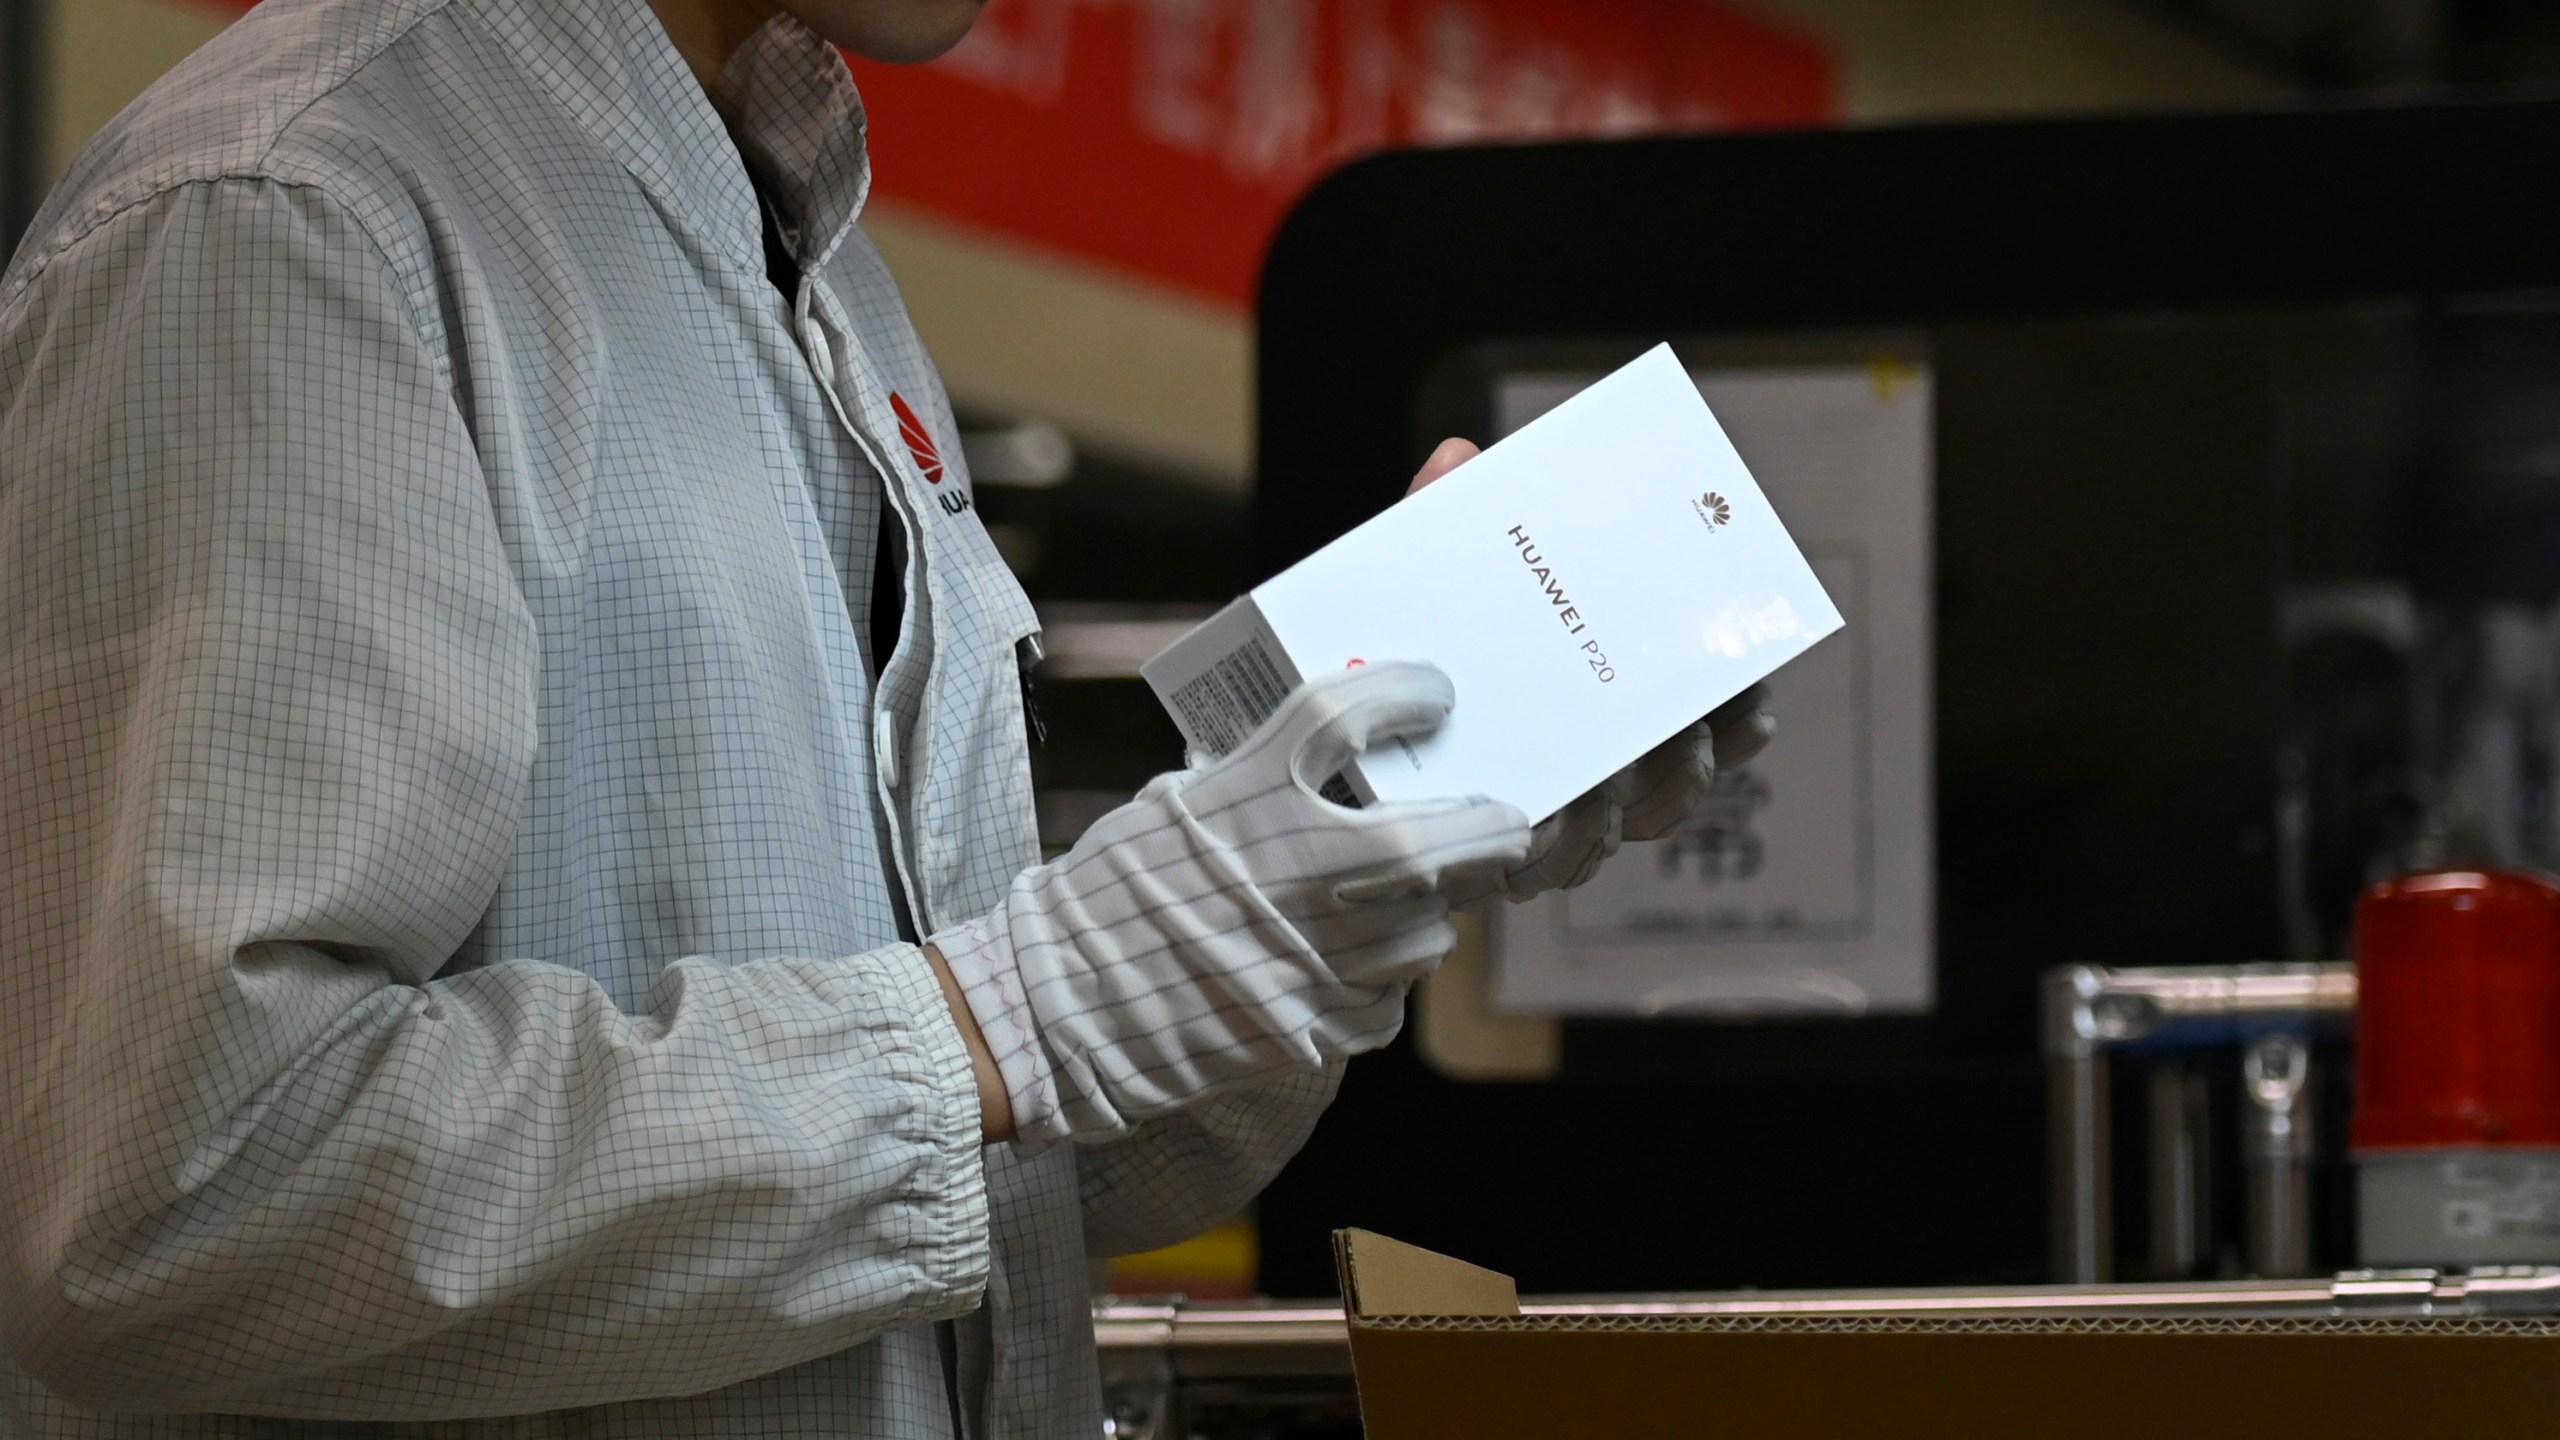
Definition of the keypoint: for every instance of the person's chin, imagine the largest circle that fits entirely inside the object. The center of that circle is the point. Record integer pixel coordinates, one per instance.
(896, 32)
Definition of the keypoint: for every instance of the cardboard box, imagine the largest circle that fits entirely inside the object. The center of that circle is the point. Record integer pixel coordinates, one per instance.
(1441, 1349)
(1594, 583)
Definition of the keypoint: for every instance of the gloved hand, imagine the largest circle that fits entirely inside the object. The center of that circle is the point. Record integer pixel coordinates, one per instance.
(1229, 923)
(1645, 801)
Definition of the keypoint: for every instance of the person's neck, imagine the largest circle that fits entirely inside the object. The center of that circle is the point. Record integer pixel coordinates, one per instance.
(707, 32)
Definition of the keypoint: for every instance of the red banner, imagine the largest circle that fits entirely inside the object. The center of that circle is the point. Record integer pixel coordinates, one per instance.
(1168, 137)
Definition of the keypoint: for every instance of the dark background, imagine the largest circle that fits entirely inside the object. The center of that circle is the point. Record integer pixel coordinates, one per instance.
(2180, 364)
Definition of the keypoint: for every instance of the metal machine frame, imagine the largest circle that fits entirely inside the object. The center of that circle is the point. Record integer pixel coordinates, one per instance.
(2093, 1012)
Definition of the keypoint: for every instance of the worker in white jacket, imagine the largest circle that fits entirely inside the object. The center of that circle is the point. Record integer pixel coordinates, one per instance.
(518, 894)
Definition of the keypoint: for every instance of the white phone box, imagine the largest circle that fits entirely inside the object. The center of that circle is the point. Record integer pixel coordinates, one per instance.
(1592, 585)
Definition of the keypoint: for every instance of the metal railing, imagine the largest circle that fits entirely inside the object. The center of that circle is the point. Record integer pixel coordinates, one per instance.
(2092, 1011)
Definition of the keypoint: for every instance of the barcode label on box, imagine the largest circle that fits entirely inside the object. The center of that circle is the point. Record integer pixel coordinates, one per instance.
(1224, 703)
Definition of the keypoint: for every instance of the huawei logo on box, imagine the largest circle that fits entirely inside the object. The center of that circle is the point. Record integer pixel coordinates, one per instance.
(1713, 509)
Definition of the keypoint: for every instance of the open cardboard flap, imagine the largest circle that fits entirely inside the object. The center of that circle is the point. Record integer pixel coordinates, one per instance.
(1388, 1277)
(1441, 1349)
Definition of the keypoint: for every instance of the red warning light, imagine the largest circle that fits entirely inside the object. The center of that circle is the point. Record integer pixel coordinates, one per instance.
(2458, 1012)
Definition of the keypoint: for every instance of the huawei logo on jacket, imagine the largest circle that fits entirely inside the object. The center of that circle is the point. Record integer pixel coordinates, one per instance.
(919, 439)
(928, 456)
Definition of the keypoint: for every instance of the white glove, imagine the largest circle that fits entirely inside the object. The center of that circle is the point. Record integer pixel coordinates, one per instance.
(1229, 923)
(1645, 801)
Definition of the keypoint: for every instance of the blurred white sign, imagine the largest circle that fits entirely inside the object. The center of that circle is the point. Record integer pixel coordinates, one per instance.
(1805, 885)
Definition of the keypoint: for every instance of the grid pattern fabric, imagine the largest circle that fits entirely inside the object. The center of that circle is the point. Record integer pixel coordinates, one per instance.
(447, 820)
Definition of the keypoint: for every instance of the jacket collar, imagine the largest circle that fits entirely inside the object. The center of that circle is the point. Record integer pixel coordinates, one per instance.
(789, 99)
(792, 105)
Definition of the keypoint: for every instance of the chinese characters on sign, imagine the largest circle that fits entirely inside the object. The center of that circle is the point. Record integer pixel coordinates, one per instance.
(1169, 137)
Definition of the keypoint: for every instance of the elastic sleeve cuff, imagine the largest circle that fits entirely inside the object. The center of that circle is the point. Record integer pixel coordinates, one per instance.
(980, 956)
(954, 1225)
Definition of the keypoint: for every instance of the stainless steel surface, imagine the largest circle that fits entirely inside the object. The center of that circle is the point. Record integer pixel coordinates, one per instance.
(2090, 1008)
(2277, 1148)
(2077, 1139)
(2091, 1011)
(2180, 1174)
(2370, 1294)
(1223, 1338)
(2080, 1141)
(1165, 1361)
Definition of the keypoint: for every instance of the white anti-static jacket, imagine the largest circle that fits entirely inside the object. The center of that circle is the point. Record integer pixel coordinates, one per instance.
(447, 960)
